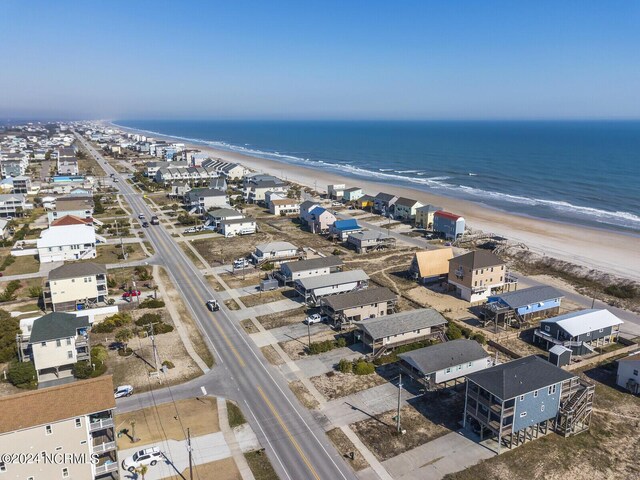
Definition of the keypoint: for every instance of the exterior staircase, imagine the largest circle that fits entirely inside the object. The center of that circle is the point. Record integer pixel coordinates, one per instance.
(574, 415)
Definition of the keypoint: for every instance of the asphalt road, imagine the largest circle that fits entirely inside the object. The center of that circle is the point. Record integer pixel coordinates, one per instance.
(294, 441)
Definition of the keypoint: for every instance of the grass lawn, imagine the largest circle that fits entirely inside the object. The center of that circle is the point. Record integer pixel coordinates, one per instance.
(154, 423)
(260, 465)
(192, 256)
(236, 418)
(108, 254)
(264, 297)
(232, 304)
(21, 265)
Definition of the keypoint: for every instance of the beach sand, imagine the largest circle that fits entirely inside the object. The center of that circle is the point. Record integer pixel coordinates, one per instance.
(610, 252)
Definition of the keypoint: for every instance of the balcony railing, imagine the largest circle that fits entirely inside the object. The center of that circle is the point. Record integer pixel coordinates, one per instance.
(107, 467)
(104, 447)
(100, 424)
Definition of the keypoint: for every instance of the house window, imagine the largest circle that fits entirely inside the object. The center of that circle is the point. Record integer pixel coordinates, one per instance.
(547, 328)
(601, 330)
(469, 364)
(58, 343)
(69, 354)
(552, 389)
(43, 344)
(522, 398)
(535, 394)
(523, 414)
(68, 341)
(448, 370)
(588, 334)
(48, 430)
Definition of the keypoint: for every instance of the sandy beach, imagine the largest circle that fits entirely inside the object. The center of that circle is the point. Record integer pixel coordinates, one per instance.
(610, 252)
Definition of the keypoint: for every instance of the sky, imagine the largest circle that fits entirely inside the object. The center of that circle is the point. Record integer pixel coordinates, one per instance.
(320, 59)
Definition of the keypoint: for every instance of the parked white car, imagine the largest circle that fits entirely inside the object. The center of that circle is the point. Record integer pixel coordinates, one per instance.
(123, 391)
(148, 456)
(315, 318)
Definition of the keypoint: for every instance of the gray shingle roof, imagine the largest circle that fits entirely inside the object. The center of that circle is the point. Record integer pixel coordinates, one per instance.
(518, 377)
(359, 298)
(56, 325)
(406, 202)
(337, 278)
(528, 296)
(401, 322)
(444, 355)
(75, 270)
(477, 259)
(322, 262)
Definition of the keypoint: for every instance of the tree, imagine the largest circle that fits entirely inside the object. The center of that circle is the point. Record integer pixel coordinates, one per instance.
(9, 328)
(453, 331)
(123, 336)
(22, 374)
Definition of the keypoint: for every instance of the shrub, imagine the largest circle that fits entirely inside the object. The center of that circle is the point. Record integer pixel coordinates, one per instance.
(148, 318)
(35, 291)
(184, 219)
(341, 342)
(82, 369)
(345, 366)
(478, 337)
(466, 332)
(123, 336)
(9, 292)
(111, 282)
(142, 273)
(99, 354)
(168, 364)
(337, 251)
(22, 375)
(363, 367)
(267, 267)
(109, 324)
(621, 291)
(152, 303)
(162, 328)
(9, 328)
(453, 331)
(321, 347)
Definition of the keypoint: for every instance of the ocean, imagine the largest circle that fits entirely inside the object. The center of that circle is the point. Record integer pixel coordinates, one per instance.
(579, 172)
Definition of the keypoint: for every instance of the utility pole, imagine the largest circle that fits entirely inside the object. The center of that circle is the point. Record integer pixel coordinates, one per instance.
(155, 350)
(309, 333)
(190, 456)
(398, 428)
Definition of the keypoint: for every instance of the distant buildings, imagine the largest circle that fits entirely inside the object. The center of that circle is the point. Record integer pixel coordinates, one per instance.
(352, 194)
(404, 209)
(336, 192)
(76, 419)
(256, 186)
(14, 204)
(383, 202)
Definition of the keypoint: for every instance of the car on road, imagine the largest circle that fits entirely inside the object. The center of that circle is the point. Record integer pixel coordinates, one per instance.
(155, 220)
(148, 456)
(115, 180)
(123, 391)
(213, 305)
(141, 216)
(131, 293)
(145, 224)
(314, 318)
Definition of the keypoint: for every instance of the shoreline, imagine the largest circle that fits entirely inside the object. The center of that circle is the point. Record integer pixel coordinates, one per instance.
(611, 252)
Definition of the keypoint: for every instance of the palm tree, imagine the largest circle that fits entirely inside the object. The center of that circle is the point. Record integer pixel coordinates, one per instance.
(142, 470)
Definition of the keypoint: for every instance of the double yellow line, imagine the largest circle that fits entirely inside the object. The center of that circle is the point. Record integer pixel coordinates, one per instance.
(242, 363)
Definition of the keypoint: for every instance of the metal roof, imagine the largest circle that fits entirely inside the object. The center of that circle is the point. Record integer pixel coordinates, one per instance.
(524, 375)
(275, 247)
(56, 325)
(313, 263)
(348, 224)
(77, 269)
(584, 321)
(338, 278)
(359, 298)
(403, 322)
(529, 296)
(444, 355)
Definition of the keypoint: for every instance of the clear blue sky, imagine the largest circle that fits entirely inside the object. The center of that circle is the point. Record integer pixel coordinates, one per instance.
(320, 59)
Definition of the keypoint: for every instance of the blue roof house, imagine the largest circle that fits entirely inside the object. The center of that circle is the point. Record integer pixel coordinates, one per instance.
(342, 228)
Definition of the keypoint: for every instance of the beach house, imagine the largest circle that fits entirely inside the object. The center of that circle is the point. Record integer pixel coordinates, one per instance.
(275, 252)
(477, 275)
(390, 331)
(291, 271)
(312, 289)
(67, 422)
(64, 242)
(368, 240)
(628, 375)
(448, 225)
(75, 286)
(341, 229)
(203, 199)
(521, 400)
(445, 363)
(424, 216)
(336, 192)
(237, 226)
(365, 202)
(305, 211)
(520, 307)
(383, 201)
(358, 305)
(352, 194)
(431, 265)
(580, 331)
(284, 206)
(404, 209)
(74, 205)
(14, 204)
(320, 220)
(218, 215)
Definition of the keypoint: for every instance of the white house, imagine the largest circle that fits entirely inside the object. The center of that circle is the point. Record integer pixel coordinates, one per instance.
(352, 194)
(274, 251)
(629, 373)
(219, 215)
(445, 362)
(67, 242)
(285, 206)
(237, 226)
(314, 288)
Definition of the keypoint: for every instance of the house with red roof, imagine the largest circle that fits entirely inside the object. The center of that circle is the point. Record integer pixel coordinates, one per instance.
(448, 225)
